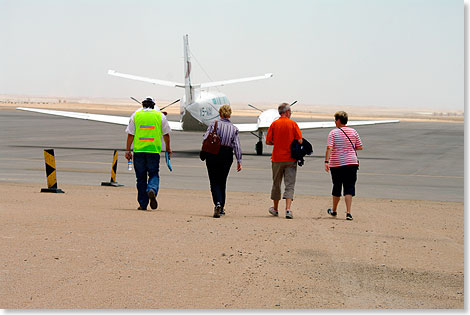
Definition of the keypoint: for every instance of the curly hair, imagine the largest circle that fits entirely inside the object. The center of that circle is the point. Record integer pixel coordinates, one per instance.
(225, 111)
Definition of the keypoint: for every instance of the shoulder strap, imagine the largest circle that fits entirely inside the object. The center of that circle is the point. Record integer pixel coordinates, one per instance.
(349, 140)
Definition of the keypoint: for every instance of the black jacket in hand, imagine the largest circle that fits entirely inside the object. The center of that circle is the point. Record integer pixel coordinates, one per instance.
(298, 151)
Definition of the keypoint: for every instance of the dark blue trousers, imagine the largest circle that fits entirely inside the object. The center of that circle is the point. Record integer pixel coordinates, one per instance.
(146, 166)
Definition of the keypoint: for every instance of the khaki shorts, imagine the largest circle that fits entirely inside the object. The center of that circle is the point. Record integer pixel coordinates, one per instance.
(288, 171)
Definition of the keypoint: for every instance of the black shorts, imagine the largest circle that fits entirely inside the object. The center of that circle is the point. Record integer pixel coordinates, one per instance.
(344, 176)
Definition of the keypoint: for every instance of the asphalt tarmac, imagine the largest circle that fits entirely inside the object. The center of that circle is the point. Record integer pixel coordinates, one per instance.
(408, 160)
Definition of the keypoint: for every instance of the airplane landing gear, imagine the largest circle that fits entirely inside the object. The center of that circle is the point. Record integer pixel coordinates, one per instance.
(259, 148)
(259, 144)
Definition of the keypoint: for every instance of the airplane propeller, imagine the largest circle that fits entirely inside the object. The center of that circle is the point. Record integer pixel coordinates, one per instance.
(255, 107)
(134, 99)
(161, 109)
(170, 104)
(262, 111)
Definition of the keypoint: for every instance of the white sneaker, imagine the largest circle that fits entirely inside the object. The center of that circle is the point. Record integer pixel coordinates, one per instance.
(289, 214)
(273, 212)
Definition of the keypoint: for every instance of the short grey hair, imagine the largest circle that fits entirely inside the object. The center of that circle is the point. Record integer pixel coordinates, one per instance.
(284, 107)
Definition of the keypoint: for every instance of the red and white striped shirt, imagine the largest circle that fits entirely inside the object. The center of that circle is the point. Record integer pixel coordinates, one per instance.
(342, 151)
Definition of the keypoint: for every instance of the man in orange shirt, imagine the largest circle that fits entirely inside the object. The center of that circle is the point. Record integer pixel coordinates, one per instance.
(281, 134)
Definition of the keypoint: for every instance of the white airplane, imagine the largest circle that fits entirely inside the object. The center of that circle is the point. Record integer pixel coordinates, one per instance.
(199, 107)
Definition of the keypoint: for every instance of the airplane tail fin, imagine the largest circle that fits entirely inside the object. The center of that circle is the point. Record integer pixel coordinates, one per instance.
(187, 72)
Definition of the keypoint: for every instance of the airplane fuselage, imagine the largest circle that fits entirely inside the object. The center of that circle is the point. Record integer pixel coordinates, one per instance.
(199, 114)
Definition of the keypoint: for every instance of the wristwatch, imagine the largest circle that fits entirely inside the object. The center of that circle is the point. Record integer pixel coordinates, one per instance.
(326, 162)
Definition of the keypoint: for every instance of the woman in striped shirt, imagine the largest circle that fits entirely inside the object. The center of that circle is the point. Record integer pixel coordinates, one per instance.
(341, 159)
(218, 166)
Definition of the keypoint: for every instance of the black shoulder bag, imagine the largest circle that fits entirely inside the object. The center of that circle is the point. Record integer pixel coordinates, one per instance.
(352, 146)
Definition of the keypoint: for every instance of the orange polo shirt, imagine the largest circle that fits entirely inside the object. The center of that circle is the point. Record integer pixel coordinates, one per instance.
(282, 132)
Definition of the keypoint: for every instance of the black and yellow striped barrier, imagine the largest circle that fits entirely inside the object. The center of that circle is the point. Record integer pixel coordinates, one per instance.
(113, 182)
(50, 172)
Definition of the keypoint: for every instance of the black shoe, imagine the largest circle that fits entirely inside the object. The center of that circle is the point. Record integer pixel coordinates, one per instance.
(332, 213)
(153, 200)
(217, 210)
(222, 212)
(140, 208)
(348, 216)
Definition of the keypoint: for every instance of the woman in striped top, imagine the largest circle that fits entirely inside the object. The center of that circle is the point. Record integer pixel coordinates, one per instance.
(218, 166)
(341, 159)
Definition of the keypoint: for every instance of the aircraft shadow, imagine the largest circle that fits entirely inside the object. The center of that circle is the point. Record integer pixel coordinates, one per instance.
(181, 153)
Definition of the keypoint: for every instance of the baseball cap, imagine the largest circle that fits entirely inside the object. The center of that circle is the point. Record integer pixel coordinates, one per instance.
(149, 98)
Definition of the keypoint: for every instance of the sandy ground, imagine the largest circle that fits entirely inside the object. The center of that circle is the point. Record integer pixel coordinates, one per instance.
(91, 248)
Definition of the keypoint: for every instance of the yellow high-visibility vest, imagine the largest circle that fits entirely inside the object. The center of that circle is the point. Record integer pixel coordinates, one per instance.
(148, 131)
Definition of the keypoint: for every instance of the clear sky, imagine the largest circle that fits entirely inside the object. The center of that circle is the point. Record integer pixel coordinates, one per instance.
(402, 53)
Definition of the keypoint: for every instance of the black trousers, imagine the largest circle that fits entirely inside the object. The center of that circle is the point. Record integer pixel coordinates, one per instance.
(344, 177)
(218, 167)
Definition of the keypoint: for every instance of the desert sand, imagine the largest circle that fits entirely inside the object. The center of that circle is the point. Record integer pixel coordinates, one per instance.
(91, 249)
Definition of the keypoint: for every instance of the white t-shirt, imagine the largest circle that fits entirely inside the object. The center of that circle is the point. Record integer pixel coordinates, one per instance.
(131, 127)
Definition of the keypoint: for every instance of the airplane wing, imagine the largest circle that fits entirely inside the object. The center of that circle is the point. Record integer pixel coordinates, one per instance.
(331, 124)
(315, 124)
(145, 79)
(119, 120)
(176, 125)
(247, 127)
(221, 83)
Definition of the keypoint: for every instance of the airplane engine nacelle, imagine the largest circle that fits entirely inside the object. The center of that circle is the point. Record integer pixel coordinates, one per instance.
(266, 118)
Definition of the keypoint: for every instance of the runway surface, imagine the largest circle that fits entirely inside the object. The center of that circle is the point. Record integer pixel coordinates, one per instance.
(409, 160)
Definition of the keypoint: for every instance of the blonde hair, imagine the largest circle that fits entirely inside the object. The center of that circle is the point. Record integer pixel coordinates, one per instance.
(225, 111)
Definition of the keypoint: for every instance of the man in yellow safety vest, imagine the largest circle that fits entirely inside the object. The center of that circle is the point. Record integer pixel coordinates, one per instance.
(144, 133)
